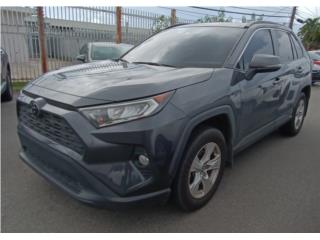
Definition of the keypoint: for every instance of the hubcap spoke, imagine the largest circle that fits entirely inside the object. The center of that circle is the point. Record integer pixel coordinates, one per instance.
(209, 148)
(214, 163)
(196, 165)
(207, 184)
(194, 187)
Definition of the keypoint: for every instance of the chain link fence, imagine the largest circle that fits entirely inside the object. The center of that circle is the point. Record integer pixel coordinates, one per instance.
(67, 29)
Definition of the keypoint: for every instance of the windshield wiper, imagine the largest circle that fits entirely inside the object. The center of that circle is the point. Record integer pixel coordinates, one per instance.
(120, 59)
(155, 64)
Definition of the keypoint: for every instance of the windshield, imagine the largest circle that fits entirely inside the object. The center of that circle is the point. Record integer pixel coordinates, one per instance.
(107, 52)
(187, 47)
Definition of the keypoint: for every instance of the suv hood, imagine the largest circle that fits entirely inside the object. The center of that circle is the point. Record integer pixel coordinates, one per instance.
(116, 81)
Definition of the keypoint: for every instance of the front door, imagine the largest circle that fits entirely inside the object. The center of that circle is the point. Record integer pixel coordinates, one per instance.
(259, 95)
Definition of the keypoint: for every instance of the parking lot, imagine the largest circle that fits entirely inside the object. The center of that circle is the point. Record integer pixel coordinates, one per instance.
(274, 186)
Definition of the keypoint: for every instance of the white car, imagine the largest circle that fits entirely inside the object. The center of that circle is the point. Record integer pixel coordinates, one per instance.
(96, 51)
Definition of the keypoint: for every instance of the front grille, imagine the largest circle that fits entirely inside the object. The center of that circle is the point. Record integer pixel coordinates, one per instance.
(51, 126)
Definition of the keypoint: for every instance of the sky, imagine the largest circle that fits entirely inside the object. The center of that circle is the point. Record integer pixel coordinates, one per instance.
(195, 13)
(106, 15)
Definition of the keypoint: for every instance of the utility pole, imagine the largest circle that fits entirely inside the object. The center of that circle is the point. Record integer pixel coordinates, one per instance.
(118, 22)
(173, 17)
(42, 40)
(293, 15)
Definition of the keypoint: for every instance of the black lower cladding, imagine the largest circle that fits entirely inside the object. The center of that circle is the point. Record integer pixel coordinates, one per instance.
(74, 178)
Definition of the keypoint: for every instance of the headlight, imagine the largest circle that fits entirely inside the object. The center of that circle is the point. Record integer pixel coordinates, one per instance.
(109, 114)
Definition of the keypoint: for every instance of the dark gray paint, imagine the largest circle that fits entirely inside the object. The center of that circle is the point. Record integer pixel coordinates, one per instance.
(254, 107)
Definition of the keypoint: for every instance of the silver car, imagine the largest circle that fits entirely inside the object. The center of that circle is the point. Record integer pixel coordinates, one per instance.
(96, 51)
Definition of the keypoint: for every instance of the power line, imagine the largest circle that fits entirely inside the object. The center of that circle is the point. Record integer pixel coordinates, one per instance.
(241, 13)
(312, 13)
(186, 11)
(261, 10)
(279, 12)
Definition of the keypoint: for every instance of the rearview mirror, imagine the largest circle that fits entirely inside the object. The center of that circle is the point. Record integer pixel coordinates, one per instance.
(81, 57)
(263, 63)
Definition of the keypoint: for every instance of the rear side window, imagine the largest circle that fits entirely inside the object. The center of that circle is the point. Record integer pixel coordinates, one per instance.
(283, 45)
(261, 43)
(298, 47)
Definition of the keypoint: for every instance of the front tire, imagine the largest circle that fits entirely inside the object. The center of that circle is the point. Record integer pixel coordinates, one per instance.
(8, 93)
(293, 127)
(201, 170)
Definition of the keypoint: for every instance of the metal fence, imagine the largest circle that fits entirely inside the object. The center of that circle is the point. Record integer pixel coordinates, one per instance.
(67, 29)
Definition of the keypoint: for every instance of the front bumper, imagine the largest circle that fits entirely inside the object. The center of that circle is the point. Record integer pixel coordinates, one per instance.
(106, 174)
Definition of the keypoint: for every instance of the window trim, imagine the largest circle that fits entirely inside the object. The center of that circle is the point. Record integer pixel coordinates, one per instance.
(277, 49)
(247, 44)
(249, 40)
(294, 39)
(294, 49)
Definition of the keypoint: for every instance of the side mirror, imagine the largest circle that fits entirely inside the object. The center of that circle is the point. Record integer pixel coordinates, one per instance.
(81, 58)
(263, 63)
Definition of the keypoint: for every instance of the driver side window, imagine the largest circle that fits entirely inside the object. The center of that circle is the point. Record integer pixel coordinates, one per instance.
(261, 42)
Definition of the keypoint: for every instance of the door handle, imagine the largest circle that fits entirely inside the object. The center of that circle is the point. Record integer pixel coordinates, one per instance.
(299, 69)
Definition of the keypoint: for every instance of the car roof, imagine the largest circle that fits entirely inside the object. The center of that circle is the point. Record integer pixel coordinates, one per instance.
(256, 24)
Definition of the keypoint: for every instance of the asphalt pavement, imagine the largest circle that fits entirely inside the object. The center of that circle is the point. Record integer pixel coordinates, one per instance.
(274, 186)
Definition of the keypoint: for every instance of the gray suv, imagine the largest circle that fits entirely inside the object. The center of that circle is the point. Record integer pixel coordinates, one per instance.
(168, 116)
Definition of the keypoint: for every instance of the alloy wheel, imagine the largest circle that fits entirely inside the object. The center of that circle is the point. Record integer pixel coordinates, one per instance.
(204, 170)
(299, 114)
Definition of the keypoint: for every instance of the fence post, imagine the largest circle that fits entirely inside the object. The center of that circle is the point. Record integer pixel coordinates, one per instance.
(173, 17)
(42, 40)
(118, 22)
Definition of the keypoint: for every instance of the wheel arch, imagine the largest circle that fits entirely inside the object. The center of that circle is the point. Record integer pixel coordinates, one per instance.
(221, 118)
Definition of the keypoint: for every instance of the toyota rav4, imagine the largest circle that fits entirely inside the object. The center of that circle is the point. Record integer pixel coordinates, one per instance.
(168, 116)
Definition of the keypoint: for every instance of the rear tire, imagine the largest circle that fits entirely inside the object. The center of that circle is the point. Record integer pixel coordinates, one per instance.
(8, 93)
(201, 170)
(293, 127)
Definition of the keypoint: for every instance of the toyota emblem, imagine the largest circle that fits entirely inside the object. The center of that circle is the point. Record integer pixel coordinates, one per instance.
(35, 109)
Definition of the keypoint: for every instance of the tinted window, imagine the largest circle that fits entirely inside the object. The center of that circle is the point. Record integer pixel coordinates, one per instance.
(283, 44)
(298, 48)
(187, 46)
(260, 43)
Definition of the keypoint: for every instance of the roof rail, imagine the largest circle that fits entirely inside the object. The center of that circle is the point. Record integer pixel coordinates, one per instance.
(176, 25)
(261, 22)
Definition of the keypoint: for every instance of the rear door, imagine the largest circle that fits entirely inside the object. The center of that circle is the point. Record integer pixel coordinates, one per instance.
(293, 69)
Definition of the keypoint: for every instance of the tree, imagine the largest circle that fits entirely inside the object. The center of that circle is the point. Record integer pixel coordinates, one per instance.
(310, 33)
(161, 23)
(219, 18)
